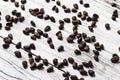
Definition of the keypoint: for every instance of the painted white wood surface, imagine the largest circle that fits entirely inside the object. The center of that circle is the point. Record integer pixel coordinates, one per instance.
(11, 67)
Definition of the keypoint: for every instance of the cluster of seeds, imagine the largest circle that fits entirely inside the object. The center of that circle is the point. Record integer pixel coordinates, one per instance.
(82, 39)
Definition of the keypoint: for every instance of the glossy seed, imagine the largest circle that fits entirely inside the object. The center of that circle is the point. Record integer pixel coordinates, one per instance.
(63, 6)
(81, 1)
(61, 21)
(90, 28)
(115, 13)
(96, 44)
(22, 7)
(79, 35)
(40, 31)
(74, 18)
(83, 72)
(58, 3)
(74, 10)
(89, 19)
(79, 40)
(5, 0)
(80, 67)
(66, 74)
(82, 78)
(86, 48)
(96, 58)
(25, 65)
(75, 6)
(52, 19)
(5, 46)
(74, 65)
(83, 43)
(107, 26)
(23, 1)
(86, 5)
(39, 66)
(18, 54)
(56, 10)
(81, 47)
(18, 45)
(102, 46)
(13, 13)
(91, 73)
(118, 32)
(61, 26)
(0, 25)
(37, 58)
(59, 36)
(73, 77)
(60, 65)
(45, 35)
(32, 30)
(66, 78)
(33, 23)
(10, 36)
(42, 11)
(67, 20)
(47, 28)
(45, 62)
(16, 4)
(21, 19)
(60, 48)
(87, 39)
(15, 20)
(37, 35)
(53, 8)
(30, 54)
(70, 40)
(67, 10)
(79, 14)
(40, 16)
(26, 48)
(46, 17)
(49, 40)
(7, 40)
(55, 61)
(96, 52)
(31, 60)
(85, 64)
(10, 24)
(93, 24)
(93, 38)
(18, 14)
(50, 69)
(51, 46)
(113, 18)
(113, 4)
(33, 37)
(7, 17)
(70, 60)
(75, 31)
(26, 32)
(115, 58)
(33, 66)
(98, 48)
(32, 46)
(65, 62)
(72, 36)
(77, 52)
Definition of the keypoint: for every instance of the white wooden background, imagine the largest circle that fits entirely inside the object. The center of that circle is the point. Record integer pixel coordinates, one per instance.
(11, 67)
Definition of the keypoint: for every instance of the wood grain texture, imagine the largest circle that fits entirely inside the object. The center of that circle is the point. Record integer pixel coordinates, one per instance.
(11, 67)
